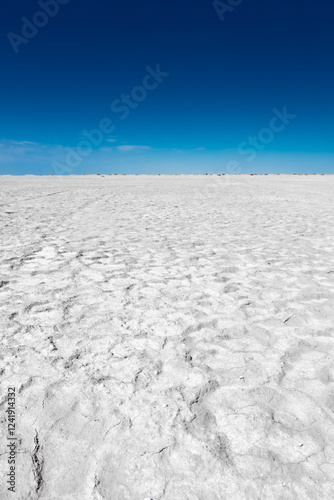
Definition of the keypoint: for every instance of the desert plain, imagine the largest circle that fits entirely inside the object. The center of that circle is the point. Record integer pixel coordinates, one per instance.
(168, 337)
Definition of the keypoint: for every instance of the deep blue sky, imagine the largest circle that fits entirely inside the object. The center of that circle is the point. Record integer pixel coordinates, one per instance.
(225, 79)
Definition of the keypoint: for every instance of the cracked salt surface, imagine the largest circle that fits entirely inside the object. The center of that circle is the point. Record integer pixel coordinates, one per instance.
(169, 337)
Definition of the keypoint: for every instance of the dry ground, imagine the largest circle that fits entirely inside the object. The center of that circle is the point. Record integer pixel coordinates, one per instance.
(169, 337)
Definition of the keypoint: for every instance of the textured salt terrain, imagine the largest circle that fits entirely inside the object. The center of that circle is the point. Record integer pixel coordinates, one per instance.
(168, 337)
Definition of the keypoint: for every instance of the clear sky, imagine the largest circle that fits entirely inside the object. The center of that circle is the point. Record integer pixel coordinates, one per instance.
(233, 86)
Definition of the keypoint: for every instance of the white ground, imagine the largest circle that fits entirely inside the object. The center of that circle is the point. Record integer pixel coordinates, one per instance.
(168, 337)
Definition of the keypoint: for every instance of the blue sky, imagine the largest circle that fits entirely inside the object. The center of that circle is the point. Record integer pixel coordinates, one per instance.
(151, 87)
